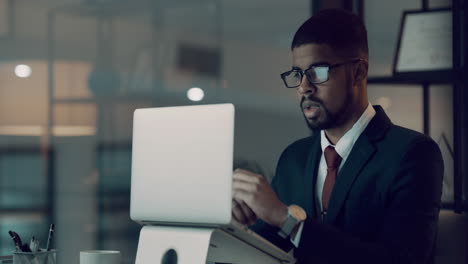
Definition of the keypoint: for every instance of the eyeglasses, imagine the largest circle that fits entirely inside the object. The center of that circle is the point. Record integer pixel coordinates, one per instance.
(316, 74)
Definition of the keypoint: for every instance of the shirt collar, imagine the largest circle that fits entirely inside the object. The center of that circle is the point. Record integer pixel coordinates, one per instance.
(346, 143)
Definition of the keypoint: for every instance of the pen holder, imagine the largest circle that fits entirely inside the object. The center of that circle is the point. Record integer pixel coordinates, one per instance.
(42, 257)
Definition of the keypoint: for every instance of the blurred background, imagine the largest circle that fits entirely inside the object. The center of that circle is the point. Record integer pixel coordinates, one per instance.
(73, 71)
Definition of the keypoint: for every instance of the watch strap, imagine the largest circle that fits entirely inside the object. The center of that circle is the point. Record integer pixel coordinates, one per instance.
(288, 226)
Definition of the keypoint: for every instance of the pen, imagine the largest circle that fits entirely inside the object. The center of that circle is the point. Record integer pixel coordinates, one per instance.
(16, 240)
(25, 248)
(18, 243)
(34, 244)
(49, 238)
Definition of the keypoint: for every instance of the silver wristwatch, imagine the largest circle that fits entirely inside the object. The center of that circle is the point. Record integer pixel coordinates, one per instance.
(296, 215)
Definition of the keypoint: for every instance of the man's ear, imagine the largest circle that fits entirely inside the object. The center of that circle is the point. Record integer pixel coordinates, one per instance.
(361, 71)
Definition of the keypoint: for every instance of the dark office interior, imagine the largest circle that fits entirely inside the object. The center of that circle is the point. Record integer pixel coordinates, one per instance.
(72, 73)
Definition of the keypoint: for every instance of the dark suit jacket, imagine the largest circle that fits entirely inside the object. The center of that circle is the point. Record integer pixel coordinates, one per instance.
(385, 203)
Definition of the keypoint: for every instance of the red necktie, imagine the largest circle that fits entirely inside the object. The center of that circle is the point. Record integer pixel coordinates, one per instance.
(333, 163)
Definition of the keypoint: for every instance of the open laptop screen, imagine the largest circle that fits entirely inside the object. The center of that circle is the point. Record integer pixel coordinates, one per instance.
(182, 160)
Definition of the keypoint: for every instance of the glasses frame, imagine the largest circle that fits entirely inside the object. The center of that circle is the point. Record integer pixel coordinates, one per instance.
(325, 65)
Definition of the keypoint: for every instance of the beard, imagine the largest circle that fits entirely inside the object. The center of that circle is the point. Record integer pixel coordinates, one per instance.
(325, 119)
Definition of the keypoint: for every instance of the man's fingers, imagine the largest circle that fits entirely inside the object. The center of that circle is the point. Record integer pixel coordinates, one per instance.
(247, 176)
(242, 213)
(237, 213)
(241, 195)
(248, 213)
(244, 186)
(239, 170)
(236, 218)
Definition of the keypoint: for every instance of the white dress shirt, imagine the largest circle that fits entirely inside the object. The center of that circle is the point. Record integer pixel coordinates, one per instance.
(343, 147)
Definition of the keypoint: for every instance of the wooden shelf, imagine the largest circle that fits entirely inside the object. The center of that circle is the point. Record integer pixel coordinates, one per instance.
(112, 146)
(416, 78)
(19, 210)
(110, 98)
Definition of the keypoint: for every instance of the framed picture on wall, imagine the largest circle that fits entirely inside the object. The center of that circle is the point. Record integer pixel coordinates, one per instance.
(424, 42)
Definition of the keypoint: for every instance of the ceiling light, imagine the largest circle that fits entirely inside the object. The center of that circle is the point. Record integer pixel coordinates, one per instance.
(195, 94)
(23, 71)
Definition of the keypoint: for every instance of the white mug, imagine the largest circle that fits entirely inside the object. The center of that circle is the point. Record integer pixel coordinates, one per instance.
(100, 257)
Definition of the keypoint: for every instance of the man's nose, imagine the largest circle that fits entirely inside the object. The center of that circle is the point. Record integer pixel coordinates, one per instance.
(306, 87)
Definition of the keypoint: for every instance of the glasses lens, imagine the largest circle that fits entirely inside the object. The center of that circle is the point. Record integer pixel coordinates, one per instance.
(318, 74)
(292, 79)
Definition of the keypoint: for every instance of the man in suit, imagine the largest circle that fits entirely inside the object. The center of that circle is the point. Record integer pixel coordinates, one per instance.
(360, 189)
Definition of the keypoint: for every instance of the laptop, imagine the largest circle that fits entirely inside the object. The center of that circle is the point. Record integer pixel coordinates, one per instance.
(182, 165)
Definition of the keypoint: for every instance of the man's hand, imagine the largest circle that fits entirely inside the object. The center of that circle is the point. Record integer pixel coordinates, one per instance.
(256, 193)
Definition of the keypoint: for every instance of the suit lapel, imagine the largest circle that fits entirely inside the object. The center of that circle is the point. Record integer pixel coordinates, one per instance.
(310, 175)
(359, 156)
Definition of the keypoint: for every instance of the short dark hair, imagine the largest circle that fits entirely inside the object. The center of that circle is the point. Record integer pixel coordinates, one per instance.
(340, 29)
